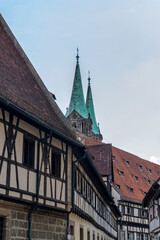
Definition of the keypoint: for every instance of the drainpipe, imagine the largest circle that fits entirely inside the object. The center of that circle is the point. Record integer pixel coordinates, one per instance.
(72, 191)
(37, 195)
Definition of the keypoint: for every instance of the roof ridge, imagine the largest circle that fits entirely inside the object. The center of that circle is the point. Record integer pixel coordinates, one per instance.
(39, 81)
(135, 156)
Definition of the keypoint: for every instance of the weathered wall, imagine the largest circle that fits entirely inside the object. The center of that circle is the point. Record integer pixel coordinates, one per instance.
(46, 224)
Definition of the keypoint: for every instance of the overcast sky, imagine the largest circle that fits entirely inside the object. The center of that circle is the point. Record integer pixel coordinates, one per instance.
(119, 41)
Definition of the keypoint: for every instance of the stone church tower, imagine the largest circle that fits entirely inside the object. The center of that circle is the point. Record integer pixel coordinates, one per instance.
(81, 114)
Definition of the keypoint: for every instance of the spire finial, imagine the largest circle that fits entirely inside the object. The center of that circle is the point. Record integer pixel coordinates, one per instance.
(89, 79)
(77, 55)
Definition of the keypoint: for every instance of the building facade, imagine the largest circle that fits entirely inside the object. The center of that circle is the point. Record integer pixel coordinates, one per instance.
(47, 188)
(152, 202)
(130, 177)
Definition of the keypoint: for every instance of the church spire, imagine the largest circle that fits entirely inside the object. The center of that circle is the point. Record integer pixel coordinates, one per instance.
(77, 101)
(90, 107)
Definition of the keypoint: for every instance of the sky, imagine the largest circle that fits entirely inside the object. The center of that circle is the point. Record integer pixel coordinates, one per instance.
(118, 41)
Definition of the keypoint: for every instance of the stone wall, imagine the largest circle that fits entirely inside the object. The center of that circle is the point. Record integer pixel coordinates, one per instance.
(46, 224)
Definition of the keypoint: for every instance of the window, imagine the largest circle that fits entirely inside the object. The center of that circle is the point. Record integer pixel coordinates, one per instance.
(149, 182)
(81, 233)
(150, 171)
(144, 214)
(56, 164)
(88, 235)
(127, 163)
(145, 236)
(121, 173)
(131, 235)
(113, 159)
(140, 168)
(28, 151)
(131, 190)
(72, 230)
(137, 236)
(123, 209)
(75, 179)
(93, 236)
(1, 227)
(118, 186)
(136, 178)
(130, 211)
(139, 212)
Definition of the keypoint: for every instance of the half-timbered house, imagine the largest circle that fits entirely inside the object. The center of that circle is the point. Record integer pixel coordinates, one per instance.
(129, 178)
(94, 214)
(152, 202)
(49, 187)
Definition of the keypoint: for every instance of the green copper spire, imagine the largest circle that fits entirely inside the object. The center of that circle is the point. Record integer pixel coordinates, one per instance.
(77, 98)
(90, 107)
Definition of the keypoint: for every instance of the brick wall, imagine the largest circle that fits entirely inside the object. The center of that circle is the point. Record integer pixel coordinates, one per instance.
(45, 224)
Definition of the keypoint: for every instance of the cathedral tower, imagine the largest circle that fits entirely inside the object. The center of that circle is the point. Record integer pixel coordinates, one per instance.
(82, 115)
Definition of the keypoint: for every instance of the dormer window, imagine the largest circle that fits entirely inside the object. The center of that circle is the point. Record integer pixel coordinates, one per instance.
(140, 168)
(136, 178)
(118, 186)
(150, 171)
(127, 163)
(131, 190)
(149, 182)
(121, 173)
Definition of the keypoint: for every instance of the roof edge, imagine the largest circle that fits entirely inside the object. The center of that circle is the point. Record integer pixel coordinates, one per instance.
(39, 122)
(37, 77)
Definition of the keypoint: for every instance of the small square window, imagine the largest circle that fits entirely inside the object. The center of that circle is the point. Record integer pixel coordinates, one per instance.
(149, 182)
(136, 178)
(121, 173)
(131, 190)
(28, 151)
(56, 164)
(127, 163)
(118, 186)
(140, 168)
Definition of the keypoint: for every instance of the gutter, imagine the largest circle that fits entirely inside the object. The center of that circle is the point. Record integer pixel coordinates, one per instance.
(39, 122)
(37, 196)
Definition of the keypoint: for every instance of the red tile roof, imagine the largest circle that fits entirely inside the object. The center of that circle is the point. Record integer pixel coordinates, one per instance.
(128, 181)
(126, 170)
(21, 85)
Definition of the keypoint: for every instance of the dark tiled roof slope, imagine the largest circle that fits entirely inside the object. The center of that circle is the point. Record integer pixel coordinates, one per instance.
(127, 175)
(102, 158)
(21, 85)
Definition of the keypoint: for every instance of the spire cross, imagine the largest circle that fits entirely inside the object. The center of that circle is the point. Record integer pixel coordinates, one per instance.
(89, 79)
(77, 55)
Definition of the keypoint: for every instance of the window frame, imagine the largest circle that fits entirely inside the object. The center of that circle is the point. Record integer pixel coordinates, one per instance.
(30, 140)
(58, 162)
